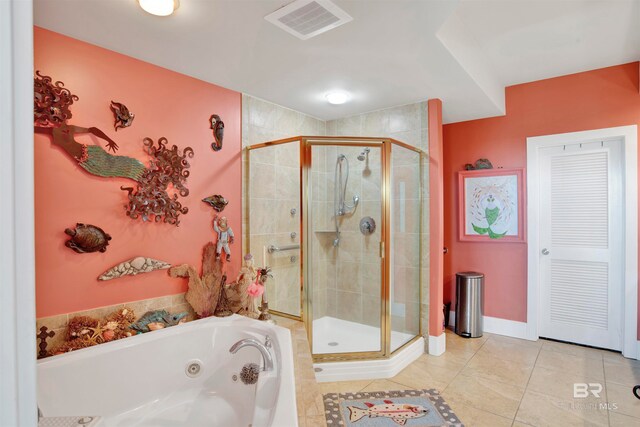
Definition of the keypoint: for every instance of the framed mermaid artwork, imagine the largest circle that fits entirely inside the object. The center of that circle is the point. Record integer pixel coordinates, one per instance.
(491, 205)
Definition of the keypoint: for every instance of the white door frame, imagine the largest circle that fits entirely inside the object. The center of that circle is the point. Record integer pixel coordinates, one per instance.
(629, 135)
(17, 248)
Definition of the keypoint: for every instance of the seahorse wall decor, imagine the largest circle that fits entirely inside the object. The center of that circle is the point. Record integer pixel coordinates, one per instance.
(150, 199)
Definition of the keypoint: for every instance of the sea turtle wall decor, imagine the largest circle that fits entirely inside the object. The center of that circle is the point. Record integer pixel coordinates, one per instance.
(87, 238)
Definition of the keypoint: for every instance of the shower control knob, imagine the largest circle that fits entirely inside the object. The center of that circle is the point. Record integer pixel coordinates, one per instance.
(293, 211)
(293, 234)
(367, 225)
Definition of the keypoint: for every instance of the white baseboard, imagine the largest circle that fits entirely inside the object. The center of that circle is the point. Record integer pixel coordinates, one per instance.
(370, 369)
(437, 345)
(495, 325)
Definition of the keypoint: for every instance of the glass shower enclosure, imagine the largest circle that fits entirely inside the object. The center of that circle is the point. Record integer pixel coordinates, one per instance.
(339, 221)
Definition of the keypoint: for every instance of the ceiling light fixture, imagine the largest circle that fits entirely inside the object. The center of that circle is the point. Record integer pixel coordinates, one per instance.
(337, 97)
(159, 7)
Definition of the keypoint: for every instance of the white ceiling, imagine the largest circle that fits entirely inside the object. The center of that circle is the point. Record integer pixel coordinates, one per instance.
(394, 51)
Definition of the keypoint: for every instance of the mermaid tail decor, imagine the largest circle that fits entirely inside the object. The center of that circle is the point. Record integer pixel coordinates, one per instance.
(98, 162)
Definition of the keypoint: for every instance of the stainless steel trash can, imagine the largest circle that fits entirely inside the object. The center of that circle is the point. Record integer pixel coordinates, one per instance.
(469, 304)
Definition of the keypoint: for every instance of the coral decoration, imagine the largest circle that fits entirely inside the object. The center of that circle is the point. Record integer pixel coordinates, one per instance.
(51, 101)
(133, 267)
(151, 199)
(85, 331)
(204, 291)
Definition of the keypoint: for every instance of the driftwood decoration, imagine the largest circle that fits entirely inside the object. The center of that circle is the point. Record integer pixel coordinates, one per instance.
(217, 125)
(151, 199)
(87, 238)
(222, 309)
(133, 267)
(122, 116)
(204, 291)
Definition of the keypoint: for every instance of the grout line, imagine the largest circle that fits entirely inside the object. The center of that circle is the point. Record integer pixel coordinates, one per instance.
(526, 387)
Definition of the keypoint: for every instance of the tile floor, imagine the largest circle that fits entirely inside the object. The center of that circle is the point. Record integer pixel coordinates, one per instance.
(499, 381)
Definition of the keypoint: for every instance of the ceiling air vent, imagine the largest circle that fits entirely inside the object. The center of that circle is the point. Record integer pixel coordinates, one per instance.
(308, 18)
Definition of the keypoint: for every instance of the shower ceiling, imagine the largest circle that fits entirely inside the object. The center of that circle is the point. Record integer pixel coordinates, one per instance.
(392, 53)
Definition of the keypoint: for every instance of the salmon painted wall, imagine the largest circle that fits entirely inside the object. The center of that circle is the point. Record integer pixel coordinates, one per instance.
(166, 104)
(595, 99)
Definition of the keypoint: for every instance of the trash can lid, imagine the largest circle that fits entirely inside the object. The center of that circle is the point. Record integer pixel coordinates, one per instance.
(470, 274)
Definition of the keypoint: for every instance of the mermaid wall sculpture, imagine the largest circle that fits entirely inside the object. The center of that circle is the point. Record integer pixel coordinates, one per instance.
(168, 166)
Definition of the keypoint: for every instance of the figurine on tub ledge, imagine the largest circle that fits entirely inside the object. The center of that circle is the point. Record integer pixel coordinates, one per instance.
(158, 319)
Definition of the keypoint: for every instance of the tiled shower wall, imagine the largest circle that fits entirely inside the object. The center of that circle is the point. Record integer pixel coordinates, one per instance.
(348, 286)
(275, 190)
(407, 123)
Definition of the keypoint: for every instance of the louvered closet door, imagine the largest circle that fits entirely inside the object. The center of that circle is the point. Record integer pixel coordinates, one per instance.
(581, 215)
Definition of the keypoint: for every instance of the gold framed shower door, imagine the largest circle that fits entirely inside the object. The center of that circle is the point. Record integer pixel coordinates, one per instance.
(306, 144)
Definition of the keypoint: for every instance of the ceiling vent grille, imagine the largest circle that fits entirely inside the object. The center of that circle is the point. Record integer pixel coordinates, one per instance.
(308, 18)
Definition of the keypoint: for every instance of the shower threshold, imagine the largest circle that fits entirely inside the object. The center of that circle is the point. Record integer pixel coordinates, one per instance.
(331, 335)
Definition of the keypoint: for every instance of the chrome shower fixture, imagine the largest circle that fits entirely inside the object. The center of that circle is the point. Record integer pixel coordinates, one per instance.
(340, 206)
(364, 154)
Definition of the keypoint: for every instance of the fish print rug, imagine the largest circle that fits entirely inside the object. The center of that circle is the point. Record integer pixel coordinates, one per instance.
(407, 408)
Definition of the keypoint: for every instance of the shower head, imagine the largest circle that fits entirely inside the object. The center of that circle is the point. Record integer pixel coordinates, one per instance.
(364, 154)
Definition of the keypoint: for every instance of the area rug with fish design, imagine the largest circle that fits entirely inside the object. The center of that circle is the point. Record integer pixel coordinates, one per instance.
(408, 408)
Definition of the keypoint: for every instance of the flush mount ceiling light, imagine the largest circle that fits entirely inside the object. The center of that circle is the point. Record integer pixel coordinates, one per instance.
(337, 97)
(159, 7)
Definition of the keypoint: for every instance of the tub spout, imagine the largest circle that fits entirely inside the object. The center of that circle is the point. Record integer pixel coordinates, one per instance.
(251, 342)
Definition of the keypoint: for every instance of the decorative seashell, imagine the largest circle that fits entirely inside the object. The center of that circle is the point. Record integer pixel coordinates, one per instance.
(108, 335)
(132, 267)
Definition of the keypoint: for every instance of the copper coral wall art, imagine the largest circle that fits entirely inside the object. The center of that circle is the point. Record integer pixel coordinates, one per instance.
(87, 238)
(51, 101)
(151, 199)
(122, 117)
(51, 113)
(217, 125)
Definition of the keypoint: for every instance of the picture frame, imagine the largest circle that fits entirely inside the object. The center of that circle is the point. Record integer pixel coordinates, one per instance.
(491, 205)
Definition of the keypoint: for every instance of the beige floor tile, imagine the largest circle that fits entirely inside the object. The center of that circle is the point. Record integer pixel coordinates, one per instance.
(318, 421)
(518, 341)
(557, 383)
(424, 374)
(487, 366)
(512, 350)
(520, 424)
(616, 419)
(622, 373)
(615, 357)
(449, 357)
(542, 410)
(579, 366)
(343, 386)
(481, 393)
(574, 350)
(473, 417)
(384, 385)
(622, 397)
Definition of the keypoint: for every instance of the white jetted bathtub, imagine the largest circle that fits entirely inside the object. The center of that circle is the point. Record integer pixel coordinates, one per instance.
(153, 379)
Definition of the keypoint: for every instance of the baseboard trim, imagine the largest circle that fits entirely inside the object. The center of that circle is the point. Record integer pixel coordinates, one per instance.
(495, 325)
(370, 369)
(437, 345)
